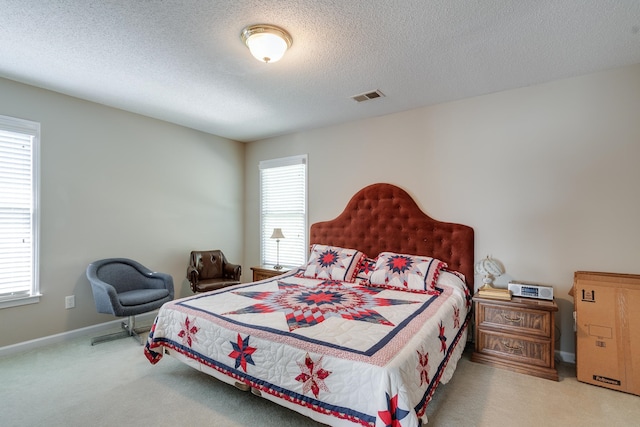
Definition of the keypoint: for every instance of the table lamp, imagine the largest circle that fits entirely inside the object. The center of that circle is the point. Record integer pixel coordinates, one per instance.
(277, 234)
(490, 269)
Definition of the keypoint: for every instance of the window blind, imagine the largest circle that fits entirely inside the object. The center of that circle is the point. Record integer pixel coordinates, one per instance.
(283, 204)
(18, 217)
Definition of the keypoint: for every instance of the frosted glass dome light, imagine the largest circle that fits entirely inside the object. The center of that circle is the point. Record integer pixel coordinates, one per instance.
(267, 43)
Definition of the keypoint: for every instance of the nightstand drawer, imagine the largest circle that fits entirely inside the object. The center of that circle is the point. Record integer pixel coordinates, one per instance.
(518, 334)
(517, 320)
(528, 351)
(258, 275)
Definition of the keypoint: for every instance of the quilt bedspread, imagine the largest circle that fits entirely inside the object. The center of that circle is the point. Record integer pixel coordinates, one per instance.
(366, 355)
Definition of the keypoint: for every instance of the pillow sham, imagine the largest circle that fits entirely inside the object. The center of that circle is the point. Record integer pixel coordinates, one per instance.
(332, 262)
(367, 265)
(407, 272)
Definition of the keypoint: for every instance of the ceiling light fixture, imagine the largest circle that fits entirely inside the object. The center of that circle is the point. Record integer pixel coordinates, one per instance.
(267, 43)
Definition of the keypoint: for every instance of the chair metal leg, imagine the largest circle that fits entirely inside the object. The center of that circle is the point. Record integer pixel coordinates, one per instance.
(128, 330)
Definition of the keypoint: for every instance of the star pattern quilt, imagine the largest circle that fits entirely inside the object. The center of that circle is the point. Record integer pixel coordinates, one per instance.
(342, 353)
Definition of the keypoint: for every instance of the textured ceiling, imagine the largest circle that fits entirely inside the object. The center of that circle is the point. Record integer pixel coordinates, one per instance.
(184, 62)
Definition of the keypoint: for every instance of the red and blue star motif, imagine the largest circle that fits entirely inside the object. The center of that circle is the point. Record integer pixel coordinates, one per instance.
(423, 366)
(307, 306)
(367, 266)
(456, 317)
(188, 332)
(312, 376)
(242, 352)
(392, 416)
(328, 258)
(399, 264)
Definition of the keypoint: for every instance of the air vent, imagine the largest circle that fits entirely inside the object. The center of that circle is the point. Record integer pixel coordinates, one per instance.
(367, 96)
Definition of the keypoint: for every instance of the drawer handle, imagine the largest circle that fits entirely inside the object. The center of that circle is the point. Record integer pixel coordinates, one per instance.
(512, 348)
(512, 319)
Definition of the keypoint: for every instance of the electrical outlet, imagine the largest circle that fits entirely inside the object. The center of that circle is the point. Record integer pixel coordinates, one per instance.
(70, 301)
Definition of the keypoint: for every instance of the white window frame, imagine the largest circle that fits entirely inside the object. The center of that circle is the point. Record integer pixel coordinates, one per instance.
(294, 247)
(26, 293)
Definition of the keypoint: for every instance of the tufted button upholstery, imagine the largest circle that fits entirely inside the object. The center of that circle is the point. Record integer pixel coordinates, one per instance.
(210, 270)
(383, 217)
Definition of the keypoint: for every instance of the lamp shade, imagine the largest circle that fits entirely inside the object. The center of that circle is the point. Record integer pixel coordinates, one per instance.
(267, 43)
(277, 234)
(489, 268)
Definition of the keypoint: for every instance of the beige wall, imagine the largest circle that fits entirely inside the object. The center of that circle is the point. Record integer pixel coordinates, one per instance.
(116, 184)
(548, 176)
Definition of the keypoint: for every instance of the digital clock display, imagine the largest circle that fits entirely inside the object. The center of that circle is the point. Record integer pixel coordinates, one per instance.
(528, 291)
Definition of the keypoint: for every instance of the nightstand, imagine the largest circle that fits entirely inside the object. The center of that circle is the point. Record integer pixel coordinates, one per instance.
(518, 335)
(266, 272)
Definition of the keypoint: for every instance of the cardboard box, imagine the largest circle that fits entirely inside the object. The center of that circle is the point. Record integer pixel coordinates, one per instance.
(607, 309)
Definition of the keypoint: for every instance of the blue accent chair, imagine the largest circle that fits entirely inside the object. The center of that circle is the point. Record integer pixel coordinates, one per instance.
(124, 287)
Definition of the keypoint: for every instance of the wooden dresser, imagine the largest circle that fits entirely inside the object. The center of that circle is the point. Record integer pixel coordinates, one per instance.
(518, 335)
(266, 272)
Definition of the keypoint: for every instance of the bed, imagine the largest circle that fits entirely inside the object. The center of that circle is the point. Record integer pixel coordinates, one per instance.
(361, 335)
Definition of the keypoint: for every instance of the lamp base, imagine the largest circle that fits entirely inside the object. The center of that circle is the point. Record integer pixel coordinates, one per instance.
(277, 267)
(488, 291)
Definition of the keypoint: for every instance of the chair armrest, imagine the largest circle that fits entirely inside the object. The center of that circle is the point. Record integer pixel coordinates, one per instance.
(105, 297)
(166, 279)
(193, 274)
(232, 271)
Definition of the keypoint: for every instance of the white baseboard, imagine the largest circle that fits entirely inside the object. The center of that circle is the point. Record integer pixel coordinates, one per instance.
(69, 335)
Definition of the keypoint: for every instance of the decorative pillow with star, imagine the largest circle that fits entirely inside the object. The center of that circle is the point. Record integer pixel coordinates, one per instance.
(367, 265)
(407, 272)
(332, 262)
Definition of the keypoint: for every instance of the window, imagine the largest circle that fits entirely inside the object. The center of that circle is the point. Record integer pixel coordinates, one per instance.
(283, 204)
(19, 172)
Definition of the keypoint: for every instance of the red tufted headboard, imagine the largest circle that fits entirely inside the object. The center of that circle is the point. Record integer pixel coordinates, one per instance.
(383, 217)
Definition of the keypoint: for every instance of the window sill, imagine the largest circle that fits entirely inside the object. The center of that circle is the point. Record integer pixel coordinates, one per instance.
(23, 300)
